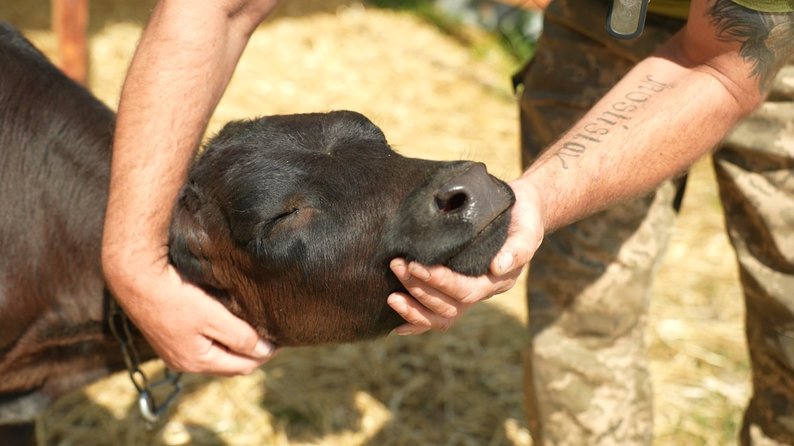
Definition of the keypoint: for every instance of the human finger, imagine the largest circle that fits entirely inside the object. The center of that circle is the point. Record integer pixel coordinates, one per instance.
(461, 288)
(235, 334)
(428, 296)
(514, 254)
(524, 234)
(417, 315)
(220, 361)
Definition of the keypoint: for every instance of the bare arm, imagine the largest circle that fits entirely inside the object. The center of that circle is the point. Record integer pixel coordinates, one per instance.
(671, 109)
(183, 63)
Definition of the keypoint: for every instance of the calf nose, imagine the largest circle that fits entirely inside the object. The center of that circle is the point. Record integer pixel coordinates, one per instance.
(473, 196)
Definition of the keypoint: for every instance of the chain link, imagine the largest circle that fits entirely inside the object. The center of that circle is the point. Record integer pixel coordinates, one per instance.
(150, 410)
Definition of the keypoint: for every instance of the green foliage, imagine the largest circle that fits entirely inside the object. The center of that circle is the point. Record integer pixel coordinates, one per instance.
(411, 5)
(519, 46)
(508, 33)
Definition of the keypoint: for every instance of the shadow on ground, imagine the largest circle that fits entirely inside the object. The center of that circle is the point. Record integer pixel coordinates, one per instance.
(347, 394)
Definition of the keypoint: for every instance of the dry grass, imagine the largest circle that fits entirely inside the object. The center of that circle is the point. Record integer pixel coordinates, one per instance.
(433, 98)
(699, 359)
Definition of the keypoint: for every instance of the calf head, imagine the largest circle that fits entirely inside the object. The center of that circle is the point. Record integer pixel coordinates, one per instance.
(291, 222)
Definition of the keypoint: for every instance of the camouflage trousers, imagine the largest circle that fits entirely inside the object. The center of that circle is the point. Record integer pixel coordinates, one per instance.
(586, 377)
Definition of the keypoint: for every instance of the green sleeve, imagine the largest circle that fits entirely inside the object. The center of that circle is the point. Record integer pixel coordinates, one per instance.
(767, 5)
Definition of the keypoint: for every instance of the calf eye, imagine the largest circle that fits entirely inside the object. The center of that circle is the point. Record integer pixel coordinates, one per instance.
(268, 226)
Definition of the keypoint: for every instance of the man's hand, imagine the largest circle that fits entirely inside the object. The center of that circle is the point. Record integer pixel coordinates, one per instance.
(439, 296)
(183, 62)
(189, 330)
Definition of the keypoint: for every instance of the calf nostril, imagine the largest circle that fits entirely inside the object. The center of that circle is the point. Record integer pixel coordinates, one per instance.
(451, 202)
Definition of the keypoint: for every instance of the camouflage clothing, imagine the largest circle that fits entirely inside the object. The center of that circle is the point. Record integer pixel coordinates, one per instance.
(586, 380)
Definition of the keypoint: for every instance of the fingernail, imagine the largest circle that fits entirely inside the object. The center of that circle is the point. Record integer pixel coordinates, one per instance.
(401, 269)
(504, 262)
(419, 271)
(397, 304)
(263, 349)
(404, 331)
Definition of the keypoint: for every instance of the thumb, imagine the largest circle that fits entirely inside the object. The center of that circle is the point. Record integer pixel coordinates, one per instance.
(525, 232)
(517, 250)
(514, 255)
(236, 335)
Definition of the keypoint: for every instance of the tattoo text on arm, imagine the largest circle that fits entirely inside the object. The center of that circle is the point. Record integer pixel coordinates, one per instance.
(616, 116)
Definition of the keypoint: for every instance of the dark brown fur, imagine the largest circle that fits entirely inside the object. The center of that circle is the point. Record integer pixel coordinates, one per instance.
(290, 221)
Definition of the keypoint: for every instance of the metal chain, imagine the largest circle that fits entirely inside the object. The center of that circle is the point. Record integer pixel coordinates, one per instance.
(150, 410)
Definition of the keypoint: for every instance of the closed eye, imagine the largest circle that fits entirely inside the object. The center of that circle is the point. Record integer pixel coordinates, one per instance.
(270, 224)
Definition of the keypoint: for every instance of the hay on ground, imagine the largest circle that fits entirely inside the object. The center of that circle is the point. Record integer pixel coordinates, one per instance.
(434, 97)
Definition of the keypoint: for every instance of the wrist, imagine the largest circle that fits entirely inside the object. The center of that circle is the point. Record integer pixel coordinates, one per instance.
(530, 199)
(126, 259)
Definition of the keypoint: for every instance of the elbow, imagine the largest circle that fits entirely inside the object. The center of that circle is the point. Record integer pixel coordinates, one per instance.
(745, 94)
(742, 81)
(742, 92)
(255, 9)
(241, 16)
(248, 14)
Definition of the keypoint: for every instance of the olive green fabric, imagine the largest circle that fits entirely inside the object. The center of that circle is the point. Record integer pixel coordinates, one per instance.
(680, 8)
(767, 5)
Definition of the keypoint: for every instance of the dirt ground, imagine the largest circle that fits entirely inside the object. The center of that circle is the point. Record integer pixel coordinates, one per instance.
(436, 97)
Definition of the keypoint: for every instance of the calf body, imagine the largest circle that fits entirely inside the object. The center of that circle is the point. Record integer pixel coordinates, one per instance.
(54, 156)
(290, 221)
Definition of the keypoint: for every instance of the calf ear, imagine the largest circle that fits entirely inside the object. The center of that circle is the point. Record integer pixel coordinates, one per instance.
(188, 240)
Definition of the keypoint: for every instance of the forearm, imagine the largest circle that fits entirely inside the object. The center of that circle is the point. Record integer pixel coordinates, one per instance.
(183, 63)
(669, 110)
(659, 119)
(176, 79)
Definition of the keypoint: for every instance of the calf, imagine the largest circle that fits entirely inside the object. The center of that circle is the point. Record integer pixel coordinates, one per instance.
(290, 221)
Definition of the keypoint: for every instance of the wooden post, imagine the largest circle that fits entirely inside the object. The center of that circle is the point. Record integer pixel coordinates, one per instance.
(70, 24)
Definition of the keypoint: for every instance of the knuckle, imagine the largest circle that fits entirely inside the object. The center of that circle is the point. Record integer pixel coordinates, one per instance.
(202, 366)
(456, 283)
(505, 286)
(205, 363)
(407, 280)
(418, 320)
(470, 298)
(439, 277)
(443, 325)
(248, 341)
(448, 312)
(418, 292)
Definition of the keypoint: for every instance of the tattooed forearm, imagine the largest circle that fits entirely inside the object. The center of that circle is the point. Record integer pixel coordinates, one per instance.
(616, 116)
(766, 39)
